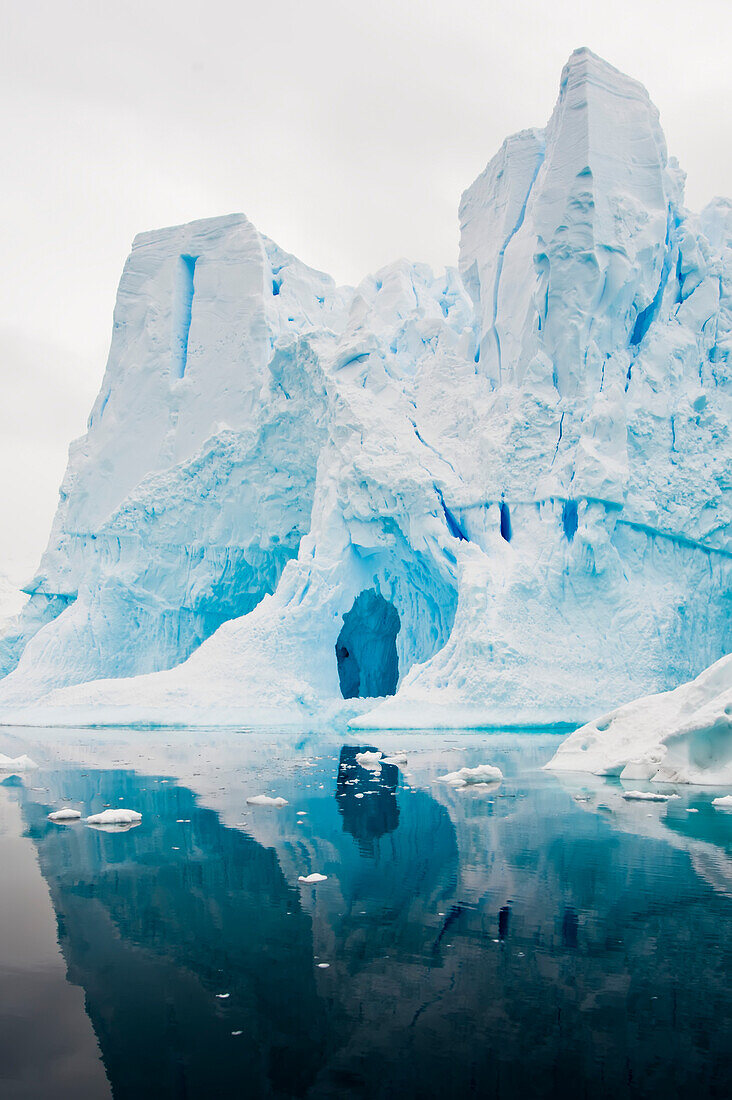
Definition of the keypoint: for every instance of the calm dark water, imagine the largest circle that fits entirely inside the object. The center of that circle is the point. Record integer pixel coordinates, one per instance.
(543, 939)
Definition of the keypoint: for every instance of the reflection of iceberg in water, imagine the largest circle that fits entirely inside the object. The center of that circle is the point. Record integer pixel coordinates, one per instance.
(459, 933)
(366, 798)
(704, 835)
(156, 922)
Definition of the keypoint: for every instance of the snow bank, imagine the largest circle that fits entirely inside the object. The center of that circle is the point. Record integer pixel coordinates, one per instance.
(680, 736)
(465, 777)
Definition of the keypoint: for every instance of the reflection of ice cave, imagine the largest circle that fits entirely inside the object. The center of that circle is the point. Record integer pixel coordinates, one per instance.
(366, 648)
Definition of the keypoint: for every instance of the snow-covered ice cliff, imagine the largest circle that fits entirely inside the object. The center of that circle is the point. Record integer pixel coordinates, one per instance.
(502, 492)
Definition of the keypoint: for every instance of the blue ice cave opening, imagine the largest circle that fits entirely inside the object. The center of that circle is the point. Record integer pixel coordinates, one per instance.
(182, 311)
(505, 521)
(366, 652)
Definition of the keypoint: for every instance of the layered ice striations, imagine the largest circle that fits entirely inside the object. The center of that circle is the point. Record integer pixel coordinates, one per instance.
(503, 490)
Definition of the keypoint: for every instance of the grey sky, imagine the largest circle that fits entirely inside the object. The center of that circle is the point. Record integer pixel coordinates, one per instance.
(345, 131)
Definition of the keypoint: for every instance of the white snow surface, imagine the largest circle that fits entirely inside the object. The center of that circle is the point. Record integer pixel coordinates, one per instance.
(680, 736)
(466, 777)
(527, 457)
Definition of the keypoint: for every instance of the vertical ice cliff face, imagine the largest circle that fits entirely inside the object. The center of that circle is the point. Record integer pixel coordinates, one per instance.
(516, 475)
(194, 482)
(568, 228)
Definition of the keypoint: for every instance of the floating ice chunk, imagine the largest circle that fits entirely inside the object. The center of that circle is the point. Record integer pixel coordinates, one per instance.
(315, 877)
(369, 759)
(266, 800)
(115, 817)
(395, 758)
(64, 815)
(19, 764)
(646, 796)
(468, 777)
(723, 803)
(223, 996)
(323, 966)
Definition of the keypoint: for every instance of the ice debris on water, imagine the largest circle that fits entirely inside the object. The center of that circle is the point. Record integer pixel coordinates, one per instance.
(266, 800)
(115, 817)
(315, 877)
(468, 777)
(369, 759)
(724, 802)
(64, 815)
(647, 796)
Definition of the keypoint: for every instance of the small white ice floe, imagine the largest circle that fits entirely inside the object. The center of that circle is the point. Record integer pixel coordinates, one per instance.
(19, 764)
(237, 1033)
(302, 813)
(266, 800)
(646, 796)
(222, 996)
(323, 966)
(395, 758)
(468, 777)
(369, 759)
(358, 796)
(64, 815)
(724, 802)
(315, 877)
(115, 819)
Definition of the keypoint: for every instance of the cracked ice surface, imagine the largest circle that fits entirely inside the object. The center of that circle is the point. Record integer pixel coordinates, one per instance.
(528, 457)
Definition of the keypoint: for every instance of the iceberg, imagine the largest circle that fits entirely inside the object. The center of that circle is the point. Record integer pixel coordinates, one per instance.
(492, 496)
(679, 736)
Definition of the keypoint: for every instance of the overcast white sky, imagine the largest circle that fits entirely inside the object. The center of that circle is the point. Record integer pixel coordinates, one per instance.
(346, 131)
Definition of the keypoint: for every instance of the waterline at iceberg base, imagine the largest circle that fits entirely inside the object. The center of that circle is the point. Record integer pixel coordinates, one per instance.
(501, 492)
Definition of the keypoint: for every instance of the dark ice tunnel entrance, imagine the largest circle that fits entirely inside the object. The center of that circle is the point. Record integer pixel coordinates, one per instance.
(366, 648)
